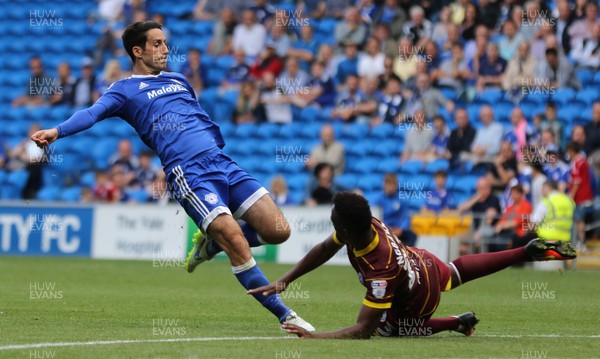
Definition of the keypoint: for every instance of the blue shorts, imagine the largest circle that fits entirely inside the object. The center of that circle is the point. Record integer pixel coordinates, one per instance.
(211, 185)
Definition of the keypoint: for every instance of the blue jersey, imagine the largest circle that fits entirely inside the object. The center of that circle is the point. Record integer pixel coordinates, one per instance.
(437, 201)
(561, 173)
(395, 213)
(164, 112)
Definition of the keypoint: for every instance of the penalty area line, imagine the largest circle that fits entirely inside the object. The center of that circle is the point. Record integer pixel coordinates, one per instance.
(131, 341)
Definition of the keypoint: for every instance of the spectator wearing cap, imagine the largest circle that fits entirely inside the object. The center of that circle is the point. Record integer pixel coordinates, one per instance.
(84, 86)
(351, 29)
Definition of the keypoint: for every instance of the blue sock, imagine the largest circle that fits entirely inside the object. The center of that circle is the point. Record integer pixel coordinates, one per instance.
(250, 276)
(249, 233)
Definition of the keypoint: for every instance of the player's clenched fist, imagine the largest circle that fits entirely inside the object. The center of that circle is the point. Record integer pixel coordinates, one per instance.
(43, 138)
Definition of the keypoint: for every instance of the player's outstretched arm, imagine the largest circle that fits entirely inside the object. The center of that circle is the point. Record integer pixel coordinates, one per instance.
(316, 257)
(368, 319)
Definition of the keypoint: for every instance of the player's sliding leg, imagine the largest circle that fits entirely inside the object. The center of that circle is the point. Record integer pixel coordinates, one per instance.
(473, 266)
(228, 234)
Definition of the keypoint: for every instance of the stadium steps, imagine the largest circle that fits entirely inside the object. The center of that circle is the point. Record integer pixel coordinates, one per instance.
(591, 259)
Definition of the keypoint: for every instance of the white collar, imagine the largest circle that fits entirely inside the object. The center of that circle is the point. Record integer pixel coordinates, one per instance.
(143, 76)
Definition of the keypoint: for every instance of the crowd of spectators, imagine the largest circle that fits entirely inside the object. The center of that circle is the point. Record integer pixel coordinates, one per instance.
(418, 66)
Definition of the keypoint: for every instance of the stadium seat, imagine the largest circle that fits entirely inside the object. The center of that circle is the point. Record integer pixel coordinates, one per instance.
(17, 178)
(291, 131)
(49, 193)
(298, 182)
(362, 166)
(309, 114)
(268, 130)
(245, 130)
(588, 95)
(382, 131)
(88, 179)
(347, 181)
(356, 131)
(585, 77)
(370, 183)
(563, 96)
(139, 196)
(437, 165)
(71, 194)
(421, 224)
(411, 167)
(388, 165)
(489, 96)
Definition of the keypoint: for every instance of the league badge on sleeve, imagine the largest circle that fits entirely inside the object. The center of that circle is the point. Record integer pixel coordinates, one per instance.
(379, 287)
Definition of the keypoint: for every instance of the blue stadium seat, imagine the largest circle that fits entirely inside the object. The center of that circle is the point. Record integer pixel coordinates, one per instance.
(88, 179)
(588, 95)
(297, 182)
(466, 185)
(71, 194)
(370, 182)
(563, 96)
(311, 131)
(437, 165)
(291, 131)
(355, 150)
(411, 167)
(382, 131)
(585, 77)
(245, 130)
(140, 195)
(309, 115)
(356, 131)
(570, 113)
(347, 181)
(102, 151)
(49, 193)
(362, 166)
(17, 178)
(596, 80)
(389, 165)
(268, 130)
(380, 149)
(489, 96)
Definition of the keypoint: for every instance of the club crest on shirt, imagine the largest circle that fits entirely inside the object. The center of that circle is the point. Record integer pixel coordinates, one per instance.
(211, 198)
(379, 287)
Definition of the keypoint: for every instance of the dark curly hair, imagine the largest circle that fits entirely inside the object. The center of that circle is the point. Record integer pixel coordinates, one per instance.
(353, 210)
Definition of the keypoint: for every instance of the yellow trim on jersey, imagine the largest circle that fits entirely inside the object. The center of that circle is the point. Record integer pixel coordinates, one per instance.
(370, 247)
(448, 285)
(336, 240)
(370, 304)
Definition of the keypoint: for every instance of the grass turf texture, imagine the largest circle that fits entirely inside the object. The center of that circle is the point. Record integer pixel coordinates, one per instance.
(122, 300)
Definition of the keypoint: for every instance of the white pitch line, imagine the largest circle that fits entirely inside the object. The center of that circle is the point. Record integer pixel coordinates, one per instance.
(566, 336)
(217, 339)
(131, 341)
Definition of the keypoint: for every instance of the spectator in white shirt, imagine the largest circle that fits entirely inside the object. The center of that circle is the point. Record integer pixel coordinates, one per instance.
(249, 35)
(586, 52)
(370, 64)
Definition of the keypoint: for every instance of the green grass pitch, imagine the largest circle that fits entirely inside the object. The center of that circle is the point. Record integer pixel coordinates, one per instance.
(524, 314)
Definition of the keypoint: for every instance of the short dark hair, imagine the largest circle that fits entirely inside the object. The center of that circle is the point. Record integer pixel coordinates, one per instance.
(552, 184)
(517, 188)
(440, 173)
(551, 51)
(354, 210)
(574, 146)
(320, 167)
(135, 35)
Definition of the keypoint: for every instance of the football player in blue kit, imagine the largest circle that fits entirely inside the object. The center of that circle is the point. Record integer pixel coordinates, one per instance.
(211, 187)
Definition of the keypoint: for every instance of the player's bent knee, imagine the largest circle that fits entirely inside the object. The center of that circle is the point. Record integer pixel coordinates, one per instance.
(278, 235)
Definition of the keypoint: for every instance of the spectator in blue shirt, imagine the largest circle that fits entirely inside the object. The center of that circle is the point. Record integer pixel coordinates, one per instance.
(491, 69)
(263, 11)
(238, 72)
(348, 101)
(439, 143)
(320, 89)
(305, 48)
(349, 65)
(437, 201)
(395, 213)
(555, 169)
